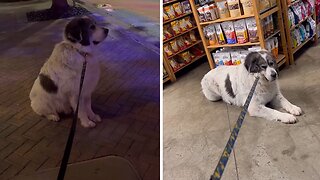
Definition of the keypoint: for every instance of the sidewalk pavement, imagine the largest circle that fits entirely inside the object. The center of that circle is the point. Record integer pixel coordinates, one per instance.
(127, 98)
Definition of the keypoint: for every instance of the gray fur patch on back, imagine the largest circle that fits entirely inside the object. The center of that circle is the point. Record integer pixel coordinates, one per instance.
(228, 87)
(47, 84)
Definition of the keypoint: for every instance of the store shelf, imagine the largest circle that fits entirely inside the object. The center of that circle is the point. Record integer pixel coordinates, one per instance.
(166, 79)
(232, 45)
(280, 58)
(226, 19)
(164, 41)
(197, 42)
(268, 12)
(292, 3)
(302, 44)
(166, 3)
(272, 35)
(195, 59)
(292, 27)
(181, 16)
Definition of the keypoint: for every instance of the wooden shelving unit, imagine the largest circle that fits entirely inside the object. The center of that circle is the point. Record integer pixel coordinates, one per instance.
(166, 63)
(288, 29)
(259, 16)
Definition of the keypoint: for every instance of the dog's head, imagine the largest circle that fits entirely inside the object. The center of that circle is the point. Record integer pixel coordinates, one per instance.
(85, 32)
(262, 62)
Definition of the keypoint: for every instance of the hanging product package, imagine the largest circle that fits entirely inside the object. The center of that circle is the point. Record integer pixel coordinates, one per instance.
(241, 31)
(186, 7)
(228, 30)
(252, 29)
(202, 16)
(223, 9)
(220, 34)
(193, 36)
(170, 12)
(174, 45)
(211, 34)
(175, 27)
(234, 8)
(207, 12)
(178, 9)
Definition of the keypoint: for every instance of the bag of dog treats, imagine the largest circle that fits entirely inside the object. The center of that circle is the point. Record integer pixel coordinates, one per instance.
(223, 9)
(220, 35)
(167, 49)
(235, 57)
(180, 42)
(165, 16)
(186, 7)
(175, 66)
(212, 36)
(226, 58)
(228, 30)
(177, 8)
(170, 12)
(183, 25)
(234, 8)
(174, 45)
(202, 15)
(247, 7)
(241, 31)
(188, 22)
(187, 40)
(252, 30)
(175, 27)
(167, 32)
(192, 36)
(218, 59)
(214, 8)
(207, 13)
(186, 56)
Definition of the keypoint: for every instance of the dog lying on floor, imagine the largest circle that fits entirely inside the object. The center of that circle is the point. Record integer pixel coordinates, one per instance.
(56, 88)
(232, 84)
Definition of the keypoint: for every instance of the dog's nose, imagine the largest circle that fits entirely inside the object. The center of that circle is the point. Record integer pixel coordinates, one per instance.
(273, 74)
(106, 31)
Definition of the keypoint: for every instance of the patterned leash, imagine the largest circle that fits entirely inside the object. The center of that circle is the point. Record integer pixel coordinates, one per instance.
(67, 150)
(233, 137)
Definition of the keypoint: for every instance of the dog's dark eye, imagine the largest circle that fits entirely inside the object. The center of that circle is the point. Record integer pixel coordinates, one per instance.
(92, 27)
(271, 63)
(264, 66)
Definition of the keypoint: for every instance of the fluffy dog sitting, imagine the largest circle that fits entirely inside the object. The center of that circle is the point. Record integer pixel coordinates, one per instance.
(56, 88)
(232, 84)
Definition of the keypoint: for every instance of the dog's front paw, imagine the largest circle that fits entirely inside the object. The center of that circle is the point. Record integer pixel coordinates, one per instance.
(88, 123)
(295, 110)
(97, 118)
(53, 117)
(288, 118)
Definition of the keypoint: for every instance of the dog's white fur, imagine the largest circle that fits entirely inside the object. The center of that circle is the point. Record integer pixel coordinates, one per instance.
(64, 68)
(267, 91)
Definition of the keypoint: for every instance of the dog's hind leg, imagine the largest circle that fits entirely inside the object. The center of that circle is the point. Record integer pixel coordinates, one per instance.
(210, 92)
(282, 102)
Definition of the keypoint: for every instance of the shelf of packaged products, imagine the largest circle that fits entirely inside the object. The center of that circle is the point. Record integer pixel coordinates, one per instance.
(302, 44)
(296, 25)
(181, 16)
(232, 45)
(272, 35)
(180, 51)
(227, 19)
(164, 41)
(169, 2)
(292, 3)
(192, 61)
(269, 12)
(166, 79)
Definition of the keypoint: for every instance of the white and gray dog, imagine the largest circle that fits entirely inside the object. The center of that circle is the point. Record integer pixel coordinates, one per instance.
(57, 86)
(232, 84)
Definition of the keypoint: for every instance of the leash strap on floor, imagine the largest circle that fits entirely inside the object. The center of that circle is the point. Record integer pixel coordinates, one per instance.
(232, 139)
(67, 150)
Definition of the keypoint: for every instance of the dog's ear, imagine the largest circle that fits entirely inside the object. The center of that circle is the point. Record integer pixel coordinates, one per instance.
(252, 62)
(76, 31)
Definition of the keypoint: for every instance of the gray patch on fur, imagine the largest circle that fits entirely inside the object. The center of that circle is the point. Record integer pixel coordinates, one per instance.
(254, 62)
(228, 87)
(47, 84)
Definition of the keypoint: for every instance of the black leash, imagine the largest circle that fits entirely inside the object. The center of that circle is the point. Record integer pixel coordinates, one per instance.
(233, 137)
(67, 150)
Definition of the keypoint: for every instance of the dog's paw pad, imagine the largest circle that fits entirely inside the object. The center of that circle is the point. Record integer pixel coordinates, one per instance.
(53, 117)
(288, 119)
(88, 124)
(295, 110)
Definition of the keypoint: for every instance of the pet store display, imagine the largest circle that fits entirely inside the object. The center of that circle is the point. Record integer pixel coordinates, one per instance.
(300, 24)
(233, 24)
(181, 41)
